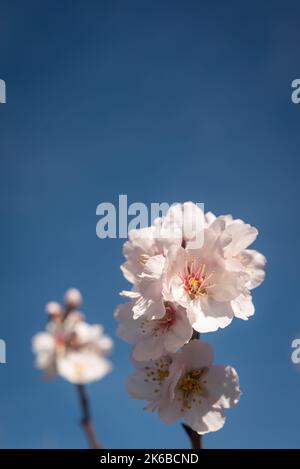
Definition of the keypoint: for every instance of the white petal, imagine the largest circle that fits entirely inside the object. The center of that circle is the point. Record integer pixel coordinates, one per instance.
(151, 309)
(213, 315)
(209, 218)
(170, 411)
(195, 354)
(223, 386)
(254, 263)
(139, 387)
(242, 236)
(179, 333)
(43, 345)
(242, 306)
(149, 348)
(214, 420)
(82, 367)
(128, 327)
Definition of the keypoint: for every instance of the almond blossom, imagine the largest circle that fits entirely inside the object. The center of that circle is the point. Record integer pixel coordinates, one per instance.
(187, 386)
(212, 282)
(153, 338)
(191, 273)
(70, 347)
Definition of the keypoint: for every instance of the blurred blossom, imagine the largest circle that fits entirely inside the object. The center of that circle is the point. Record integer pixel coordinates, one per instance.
(70, 347)
(53, 308)
(73, 298)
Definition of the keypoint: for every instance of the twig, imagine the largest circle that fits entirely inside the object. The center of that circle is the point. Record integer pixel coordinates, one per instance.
(86, 421)
(195, 438)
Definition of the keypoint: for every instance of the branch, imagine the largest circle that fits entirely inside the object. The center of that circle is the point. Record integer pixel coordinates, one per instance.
(195, 438)
(86, 421)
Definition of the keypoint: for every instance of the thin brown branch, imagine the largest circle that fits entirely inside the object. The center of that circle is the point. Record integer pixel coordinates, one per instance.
(195, 438)
(86, 421)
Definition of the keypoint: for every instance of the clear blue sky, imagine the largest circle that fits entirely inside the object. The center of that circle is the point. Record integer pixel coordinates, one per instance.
(163, 101)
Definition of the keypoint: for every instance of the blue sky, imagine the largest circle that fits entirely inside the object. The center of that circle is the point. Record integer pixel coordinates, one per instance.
(162, 101)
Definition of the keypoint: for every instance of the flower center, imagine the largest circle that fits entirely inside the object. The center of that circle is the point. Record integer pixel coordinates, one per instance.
(168, 319)
(158, 372)
(143, 259)
(160, 326)
(196, 282)
(162, 374)
(191, 387)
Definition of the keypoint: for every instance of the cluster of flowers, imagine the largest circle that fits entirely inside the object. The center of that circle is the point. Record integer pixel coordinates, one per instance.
(71, 347)
(182, 286)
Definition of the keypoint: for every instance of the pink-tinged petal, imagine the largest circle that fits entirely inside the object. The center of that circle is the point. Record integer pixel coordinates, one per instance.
(214, 315)
(242, 306)
(179, 333)
(214, 420)
(195, 354)
(128, 327)
(149, 348)
(129, 271)
(254, 263)
(209, 218)
(150, 285)
(242, 236)
(153, 267)
(140, 387)
(175, 261)
(170, 411)
(227, 285)
(223, 387)
(149, 308)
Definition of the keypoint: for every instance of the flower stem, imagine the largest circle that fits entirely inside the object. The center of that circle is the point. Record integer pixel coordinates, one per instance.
(86, 421)
(195, 439)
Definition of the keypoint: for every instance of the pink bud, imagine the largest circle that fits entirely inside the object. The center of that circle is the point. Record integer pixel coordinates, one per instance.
(73, 298)
(53, 308)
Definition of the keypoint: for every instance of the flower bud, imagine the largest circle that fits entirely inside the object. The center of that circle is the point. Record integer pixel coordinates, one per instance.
(73, 298)
(53, 308)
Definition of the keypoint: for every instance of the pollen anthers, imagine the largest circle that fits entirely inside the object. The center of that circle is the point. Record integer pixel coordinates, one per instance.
(143, 259)
(196, 281)
(192, 387)
(158, 372)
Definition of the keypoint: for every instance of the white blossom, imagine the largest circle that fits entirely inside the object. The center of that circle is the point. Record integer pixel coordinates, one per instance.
(73, 298)
(190, 272)
(153, 338)
(212, 282)
(53, 308)
(72, 348)
(187, 386)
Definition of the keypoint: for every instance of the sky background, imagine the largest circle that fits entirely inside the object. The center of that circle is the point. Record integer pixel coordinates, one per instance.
(162, 101)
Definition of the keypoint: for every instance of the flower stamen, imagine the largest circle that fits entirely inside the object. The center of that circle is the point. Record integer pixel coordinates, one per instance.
(196, 282)
(192, 386)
